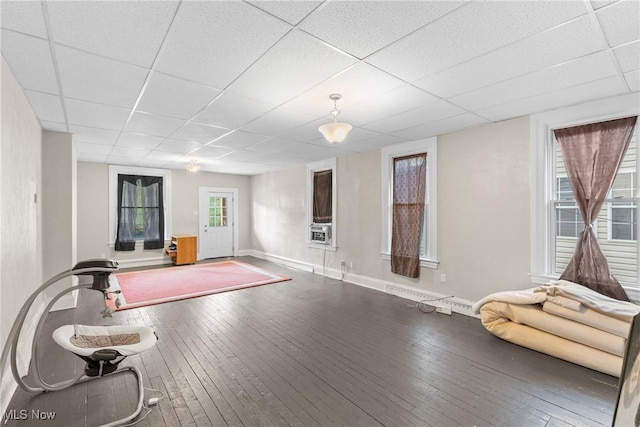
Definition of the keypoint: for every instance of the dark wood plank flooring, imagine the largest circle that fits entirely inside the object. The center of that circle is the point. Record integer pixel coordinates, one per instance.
(319, 352)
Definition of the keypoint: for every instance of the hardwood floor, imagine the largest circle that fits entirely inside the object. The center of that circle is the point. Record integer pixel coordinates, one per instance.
(318, 352)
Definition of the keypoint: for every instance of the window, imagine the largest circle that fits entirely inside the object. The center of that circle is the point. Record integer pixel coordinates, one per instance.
(428, 240)
(141, 206)
(568, 219)
(617, 241)
(321, 205)
(217, 211)
(622, 214)
(554, 215)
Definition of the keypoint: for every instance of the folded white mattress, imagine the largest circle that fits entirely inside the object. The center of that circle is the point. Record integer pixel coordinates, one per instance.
(494, 319)
(562, 319)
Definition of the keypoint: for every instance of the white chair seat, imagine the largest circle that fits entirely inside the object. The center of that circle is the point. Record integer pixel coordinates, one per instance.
(100, 338)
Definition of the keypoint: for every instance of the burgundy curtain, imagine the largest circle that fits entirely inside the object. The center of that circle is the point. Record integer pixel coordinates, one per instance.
(409, 181)
(322, 196)
(592, 156)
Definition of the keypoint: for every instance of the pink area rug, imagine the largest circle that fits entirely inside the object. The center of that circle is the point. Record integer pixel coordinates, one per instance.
(149, 287)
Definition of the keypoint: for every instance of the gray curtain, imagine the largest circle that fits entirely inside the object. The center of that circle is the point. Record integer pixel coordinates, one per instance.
(409, 182)
(592, 156)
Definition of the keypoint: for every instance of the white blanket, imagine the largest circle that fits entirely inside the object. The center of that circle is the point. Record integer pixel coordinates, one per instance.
(561, 288)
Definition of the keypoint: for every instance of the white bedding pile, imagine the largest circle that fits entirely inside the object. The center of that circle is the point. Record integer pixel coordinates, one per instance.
(562, 319)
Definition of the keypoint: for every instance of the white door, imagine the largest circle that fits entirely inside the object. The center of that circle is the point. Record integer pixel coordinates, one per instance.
(216, 224)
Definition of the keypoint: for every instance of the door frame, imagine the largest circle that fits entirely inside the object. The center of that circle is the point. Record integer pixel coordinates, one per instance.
(234, 203)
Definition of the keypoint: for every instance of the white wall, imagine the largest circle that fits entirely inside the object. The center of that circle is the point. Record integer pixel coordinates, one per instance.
(483, 212)
(93, 209)
(20, 216)
(59, 203)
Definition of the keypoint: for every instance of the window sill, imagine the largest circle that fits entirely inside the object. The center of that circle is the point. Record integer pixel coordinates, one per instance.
(139, 243)
(424, 262)
(331, 248)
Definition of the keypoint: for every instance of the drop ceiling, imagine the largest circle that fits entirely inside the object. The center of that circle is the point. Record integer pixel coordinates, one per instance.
(242, 86)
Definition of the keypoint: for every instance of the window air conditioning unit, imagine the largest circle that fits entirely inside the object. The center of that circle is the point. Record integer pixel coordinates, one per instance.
(321, 233)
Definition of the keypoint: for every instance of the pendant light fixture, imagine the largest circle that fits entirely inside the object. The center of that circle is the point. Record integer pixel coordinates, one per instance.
(335, 132)
(192, 166)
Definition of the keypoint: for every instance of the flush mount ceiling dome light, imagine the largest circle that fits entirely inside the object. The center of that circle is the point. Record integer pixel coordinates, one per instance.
(335, 132)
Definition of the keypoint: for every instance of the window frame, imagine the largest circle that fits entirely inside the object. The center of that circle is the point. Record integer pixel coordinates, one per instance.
(629, 200)
(114, 171)
(388, 154)
(323, 165)
(542, 185)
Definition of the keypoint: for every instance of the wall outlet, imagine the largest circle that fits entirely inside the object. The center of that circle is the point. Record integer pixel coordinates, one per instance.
(444, 310)
(443, 278)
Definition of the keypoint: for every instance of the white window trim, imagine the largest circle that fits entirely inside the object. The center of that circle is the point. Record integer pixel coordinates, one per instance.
(610, 213)
(114, 171)
(429, 146)
(541, 134)
(323, 165)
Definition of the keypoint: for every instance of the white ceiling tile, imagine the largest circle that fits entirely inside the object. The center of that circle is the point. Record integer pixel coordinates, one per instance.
(30, 61)
(563, 43)
(146, 162)
(23, 16)
(128, 31)
(290, 11)
(92, 158)
(58, 127)
(620, 22)
(374, 143)
(129, 152)
(98, 79)
(633, 80)
(387, 104)
(46, 106)
(94, 135)
(163, 156)
(199, 132)
(213, 152)
(610, 86)
(426, 114)
(356, 84)
(150, 124)
(278, 121)
(363, 27)
(441, 126)
(174, 97)
(274, 145)
(231, 111)
(245, 156)
(582, 70)
(628, 56)
(137, 140)
(95, 115)
(212, 42)
(463, 34)
(239, 139)
(176, 146)
(296, 63)
(89, 148)
(307, 132)
(597, 4)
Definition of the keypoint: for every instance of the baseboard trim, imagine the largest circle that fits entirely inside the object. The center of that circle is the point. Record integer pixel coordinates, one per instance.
(299, 265)
(143, 262)
(457, 305)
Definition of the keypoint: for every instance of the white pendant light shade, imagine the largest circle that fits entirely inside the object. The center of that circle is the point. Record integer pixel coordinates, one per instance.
(335, 132)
